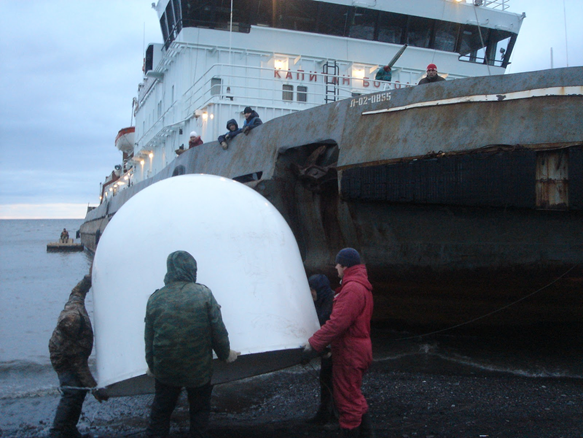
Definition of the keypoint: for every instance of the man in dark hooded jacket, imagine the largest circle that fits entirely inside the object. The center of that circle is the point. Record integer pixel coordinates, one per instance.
(233, 131)
(348, 330)
(183, 327)
(252, 120)
(70, 347)
(323, 296)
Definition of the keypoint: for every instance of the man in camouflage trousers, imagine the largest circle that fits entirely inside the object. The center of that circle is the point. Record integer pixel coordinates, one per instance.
(183, 327)
(70, 347)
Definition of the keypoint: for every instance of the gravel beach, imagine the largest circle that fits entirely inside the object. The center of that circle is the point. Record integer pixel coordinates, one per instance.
(417, 396)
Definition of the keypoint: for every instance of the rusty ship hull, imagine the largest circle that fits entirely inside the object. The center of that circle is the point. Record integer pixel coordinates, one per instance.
(465, 197)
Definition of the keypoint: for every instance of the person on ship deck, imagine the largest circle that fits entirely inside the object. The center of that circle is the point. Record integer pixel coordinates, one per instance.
(252, 120)
(195, 140)
(431, 76)
(233, 131)
(384, 74)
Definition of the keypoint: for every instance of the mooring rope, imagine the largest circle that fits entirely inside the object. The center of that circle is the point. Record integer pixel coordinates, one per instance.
(493, 312)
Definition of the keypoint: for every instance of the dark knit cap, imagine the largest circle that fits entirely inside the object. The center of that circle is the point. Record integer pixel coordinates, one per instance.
(348, 257)
(247, 110)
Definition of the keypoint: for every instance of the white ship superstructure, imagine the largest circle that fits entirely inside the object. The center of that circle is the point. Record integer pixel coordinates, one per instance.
(280, 57)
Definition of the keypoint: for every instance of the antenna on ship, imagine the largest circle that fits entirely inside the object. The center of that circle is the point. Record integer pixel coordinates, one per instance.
(566, 40)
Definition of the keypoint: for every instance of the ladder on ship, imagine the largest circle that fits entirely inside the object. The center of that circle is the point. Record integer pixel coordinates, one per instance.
(330, 70)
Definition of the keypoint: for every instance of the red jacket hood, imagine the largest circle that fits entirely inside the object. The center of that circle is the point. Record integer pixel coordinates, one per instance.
(358, 274)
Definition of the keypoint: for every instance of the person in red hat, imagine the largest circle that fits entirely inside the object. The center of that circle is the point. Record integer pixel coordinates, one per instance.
(431, 76)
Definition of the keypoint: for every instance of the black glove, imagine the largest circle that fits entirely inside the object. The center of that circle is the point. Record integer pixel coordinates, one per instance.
(308, 354)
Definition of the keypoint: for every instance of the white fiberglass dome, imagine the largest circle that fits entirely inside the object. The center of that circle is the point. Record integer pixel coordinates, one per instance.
(246, 254)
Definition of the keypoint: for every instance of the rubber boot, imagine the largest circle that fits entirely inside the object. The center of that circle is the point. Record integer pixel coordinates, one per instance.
(322, 417)
(366, 428)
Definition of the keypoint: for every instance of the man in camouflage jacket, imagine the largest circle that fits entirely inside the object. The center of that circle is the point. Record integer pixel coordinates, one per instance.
(70, 347)
(183, 327)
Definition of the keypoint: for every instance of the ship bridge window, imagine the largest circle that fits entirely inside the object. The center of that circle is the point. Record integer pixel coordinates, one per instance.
(392, 28)
(494, 46)
(332, 19)
(164, 27)
(497, 47)
(177, 15)
(446, 35)
(170, 19)
(215, 14)
(471, 47)
(298, 15)
(362, 23)
(419, 31)
(261, 13)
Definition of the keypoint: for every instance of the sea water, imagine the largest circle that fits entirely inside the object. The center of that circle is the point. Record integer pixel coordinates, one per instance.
(34, 286)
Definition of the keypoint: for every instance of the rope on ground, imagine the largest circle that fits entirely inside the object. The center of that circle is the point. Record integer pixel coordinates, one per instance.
(494, 311)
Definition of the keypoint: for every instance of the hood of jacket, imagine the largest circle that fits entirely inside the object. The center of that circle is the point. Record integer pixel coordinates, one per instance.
(321, 285)
(181, 266)
(232, 122)
(358, 274)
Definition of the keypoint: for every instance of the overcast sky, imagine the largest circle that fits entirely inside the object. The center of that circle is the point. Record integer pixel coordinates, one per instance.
(70, 69)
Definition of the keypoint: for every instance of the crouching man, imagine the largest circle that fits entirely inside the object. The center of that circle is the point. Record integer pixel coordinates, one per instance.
(183, 327)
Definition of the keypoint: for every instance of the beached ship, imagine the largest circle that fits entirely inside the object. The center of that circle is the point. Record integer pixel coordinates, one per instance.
(463, 196)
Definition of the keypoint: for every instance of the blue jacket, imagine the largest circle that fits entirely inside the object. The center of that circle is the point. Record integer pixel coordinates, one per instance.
(253, 122)
(230, 134)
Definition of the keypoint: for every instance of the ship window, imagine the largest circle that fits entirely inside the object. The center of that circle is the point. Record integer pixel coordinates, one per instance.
(177, 15)
(497, 47)
(446, 36)
(419, 31)
(302, 93)
(471, 47)
(362, 23)
(288, 92)
(215, 14)
(216, 86)
(297, 15)
(164, 28)
(170, 20)
(391, 27)
(149, 59)
(262, 13)
(332, 19)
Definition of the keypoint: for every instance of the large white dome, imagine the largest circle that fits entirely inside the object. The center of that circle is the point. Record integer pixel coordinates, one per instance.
(246, 254)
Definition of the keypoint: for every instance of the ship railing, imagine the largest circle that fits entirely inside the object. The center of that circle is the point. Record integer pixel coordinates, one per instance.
(494, 4)
(260, 87)
(294, 90)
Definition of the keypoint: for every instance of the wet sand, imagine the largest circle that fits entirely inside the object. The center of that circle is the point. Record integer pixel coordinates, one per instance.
(417, 396)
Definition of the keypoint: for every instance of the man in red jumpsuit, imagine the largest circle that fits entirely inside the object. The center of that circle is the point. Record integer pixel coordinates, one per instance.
(348, 331)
